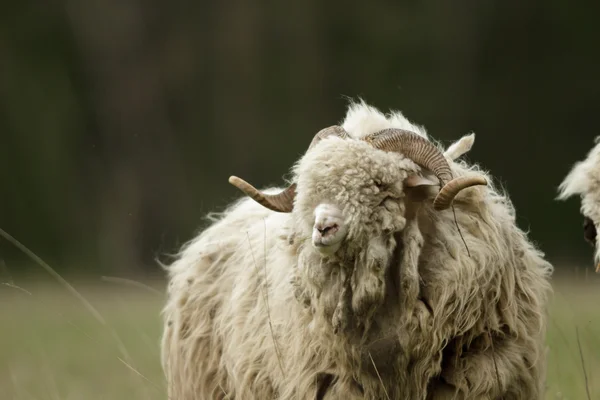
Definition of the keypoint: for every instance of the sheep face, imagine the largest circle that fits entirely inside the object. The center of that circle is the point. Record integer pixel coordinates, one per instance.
(590, 210)
(584, 180)
(349, 193)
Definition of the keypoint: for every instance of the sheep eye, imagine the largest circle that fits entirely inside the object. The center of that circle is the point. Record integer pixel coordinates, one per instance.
(589, 230)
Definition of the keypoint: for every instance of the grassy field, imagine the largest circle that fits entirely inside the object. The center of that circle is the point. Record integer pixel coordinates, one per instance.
(53, 347)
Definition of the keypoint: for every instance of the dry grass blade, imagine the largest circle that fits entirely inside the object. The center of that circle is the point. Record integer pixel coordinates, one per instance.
(68, 286)
(266, 300)
(266, 288)
(587, 386)
(13, 286)
(387, 396)
(54, 274)
(460, 232)
(131, 282)
(139, 374)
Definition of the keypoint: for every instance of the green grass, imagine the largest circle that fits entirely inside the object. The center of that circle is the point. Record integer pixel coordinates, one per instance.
(52, 347)
(575, 311)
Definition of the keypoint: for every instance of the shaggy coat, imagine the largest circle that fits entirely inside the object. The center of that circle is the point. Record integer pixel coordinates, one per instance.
(405, 309)
(584, 180)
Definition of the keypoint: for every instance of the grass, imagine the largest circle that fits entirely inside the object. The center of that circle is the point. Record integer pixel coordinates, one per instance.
(574, 312)
(52, 347)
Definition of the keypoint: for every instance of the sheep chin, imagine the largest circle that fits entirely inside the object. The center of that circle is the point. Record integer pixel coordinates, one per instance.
(326, 249)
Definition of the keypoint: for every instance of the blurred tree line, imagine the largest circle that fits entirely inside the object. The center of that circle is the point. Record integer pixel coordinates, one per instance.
(121, 120)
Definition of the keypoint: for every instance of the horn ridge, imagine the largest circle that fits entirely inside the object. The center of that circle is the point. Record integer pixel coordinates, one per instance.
(415, 147)
(428, 156)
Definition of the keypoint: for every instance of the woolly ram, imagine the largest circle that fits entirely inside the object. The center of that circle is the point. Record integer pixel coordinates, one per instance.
(355, 282)
(584, 180)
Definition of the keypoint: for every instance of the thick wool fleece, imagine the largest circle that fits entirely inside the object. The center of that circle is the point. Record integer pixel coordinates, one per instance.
(584, 180)
(402, 311)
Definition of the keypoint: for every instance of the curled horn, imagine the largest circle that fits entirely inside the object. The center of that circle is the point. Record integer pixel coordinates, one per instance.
(280, 202)
(444, 198)
(283, 201)
(425, 154)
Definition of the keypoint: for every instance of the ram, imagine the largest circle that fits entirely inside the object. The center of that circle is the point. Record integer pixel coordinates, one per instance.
(584, 180)
(386, 269)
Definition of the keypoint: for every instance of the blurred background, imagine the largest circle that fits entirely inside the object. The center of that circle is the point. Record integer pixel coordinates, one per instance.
(120, 121)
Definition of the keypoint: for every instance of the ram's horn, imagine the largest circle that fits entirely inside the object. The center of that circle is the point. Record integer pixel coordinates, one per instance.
(283, 201)
(280, 202)
(425, 154)
(444, 198)
(415, 147)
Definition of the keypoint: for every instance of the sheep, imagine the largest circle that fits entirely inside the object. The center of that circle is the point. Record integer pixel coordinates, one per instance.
(584, 180)
(354, 282)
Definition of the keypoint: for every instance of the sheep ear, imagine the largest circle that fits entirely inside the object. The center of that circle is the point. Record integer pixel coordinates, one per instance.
(419, 189)
(415, 180)
(460, 147)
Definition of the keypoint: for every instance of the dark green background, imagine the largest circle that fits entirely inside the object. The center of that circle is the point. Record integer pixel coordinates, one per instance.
(121, 120)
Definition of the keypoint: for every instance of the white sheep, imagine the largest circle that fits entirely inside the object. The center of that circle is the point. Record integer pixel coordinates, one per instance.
(584, 180)
(361, 285)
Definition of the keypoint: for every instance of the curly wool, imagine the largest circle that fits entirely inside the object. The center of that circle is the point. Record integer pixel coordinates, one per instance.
(584, 180)
(402, 310)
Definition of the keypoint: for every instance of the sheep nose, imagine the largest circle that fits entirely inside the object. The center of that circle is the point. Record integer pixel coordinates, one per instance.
(326, 229)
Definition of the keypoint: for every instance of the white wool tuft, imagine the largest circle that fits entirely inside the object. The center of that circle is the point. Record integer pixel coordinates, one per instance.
(362, 119)
(584, 180)
(583, 175)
